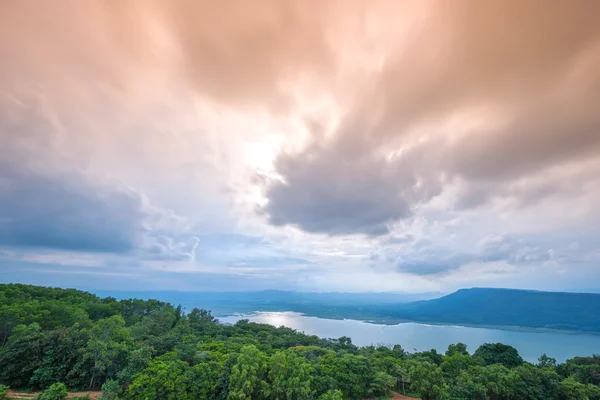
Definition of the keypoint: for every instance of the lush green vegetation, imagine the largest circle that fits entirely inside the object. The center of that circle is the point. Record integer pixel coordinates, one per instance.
(53, 339)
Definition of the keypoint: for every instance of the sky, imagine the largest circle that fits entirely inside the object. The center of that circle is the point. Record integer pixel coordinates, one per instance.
(310, 145)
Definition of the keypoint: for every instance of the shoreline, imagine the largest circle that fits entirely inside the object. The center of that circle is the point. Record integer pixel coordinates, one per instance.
(398, 321)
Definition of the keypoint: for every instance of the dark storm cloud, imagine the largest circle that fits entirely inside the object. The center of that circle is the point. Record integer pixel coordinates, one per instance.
(347, 187)
(48, 201)
(337, 194)
(433, 265)
(71, 211)
(64, 211)
(429, 259)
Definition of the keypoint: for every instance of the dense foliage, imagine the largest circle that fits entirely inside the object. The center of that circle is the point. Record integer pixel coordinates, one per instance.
(3, 391)
(51, 339)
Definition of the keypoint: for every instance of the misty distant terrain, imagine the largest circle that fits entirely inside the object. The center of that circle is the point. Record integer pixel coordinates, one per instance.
(502, 308)
(506, 308)
(330, 305)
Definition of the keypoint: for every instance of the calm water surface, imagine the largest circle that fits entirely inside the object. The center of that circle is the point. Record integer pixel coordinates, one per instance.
(418, 337)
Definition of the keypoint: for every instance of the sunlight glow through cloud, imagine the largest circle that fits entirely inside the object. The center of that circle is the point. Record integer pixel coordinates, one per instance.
(369, 146)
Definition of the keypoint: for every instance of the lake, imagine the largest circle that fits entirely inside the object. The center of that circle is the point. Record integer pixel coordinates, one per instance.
(418, 337)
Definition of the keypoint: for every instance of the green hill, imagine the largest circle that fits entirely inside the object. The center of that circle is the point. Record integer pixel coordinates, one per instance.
(507, 307)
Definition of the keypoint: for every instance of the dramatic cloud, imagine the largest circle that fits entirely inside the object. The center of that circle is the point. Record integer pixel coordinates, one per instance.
(66, 212)
(243, 52)
(48, 201)
(320, 145)
(337, 195)
(471, 100)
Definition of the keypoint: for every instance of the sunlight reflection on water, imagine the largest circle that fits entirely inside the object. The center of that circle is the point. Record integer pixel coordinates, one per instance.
(418, 337)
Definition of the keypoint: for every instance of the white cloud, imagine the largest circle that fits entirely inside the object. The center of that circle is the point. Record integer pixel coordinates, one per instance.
(279, 147)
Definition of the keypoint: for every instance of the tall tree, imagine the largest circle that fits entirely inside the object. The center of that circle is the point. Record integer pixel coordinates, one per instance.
(106, 348)
(427, 379)
(458, 348)
(290, 375)
(22, 355)
(248, 376)
(201, 320)
(498, 353)
(203, 379)
(161, 380)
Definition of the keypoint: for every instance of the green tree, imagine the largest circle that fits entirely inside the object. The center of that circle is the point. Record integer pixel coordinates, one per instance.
(570, 389)
(458, 348)
(399, 351)
(137, 360)
(154, 330)
(454, 365)
(62, 351)
(57, 391)
(248, 376)
(22, 355)
(111, 390)
(466, 388)
(161, 380)
(203, 379)
(201, 321)
(344, 343)
(395, 368)
(60, 314)
(106, 348)
(352, 374)
(84, 397)
(535, 383)
(592, 391)
(12, 316)
(333, 394)
(381, 384)
(431, 356)
(496, 379)
(585, 369)
(4, 392)
(428, 380)
(546, 362)
(499, 353)
(290, 376)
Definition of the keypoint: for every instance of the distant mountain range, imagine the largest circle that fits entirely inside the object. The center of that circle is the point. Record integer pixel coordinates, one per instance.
(508, 308)
(224, 303)
(500, 308)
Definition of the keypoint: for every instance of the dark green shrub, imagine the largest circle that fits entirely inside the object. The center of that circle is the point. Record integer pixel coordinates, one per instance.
(111, 390)
(3, 391)
(58, 391)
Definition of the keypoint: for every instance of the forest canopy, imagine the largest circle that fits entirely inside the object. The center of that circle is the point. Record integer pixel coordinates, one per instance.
(52, 339)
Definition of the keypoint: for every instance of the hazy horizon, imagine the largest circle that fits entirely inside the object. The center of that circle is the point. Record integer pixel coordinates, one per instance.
(101, 291)
(304, 145)
(588, 290)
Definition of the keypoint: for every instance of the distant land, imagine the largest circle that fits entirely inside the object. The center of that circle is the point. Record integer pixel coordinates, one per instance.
(484, 307)
(329, 305)
(505, 308)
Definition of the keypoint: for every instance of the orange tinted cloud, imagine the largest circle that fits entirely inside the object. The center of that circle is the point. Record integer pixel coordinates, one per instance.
(456, 105)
